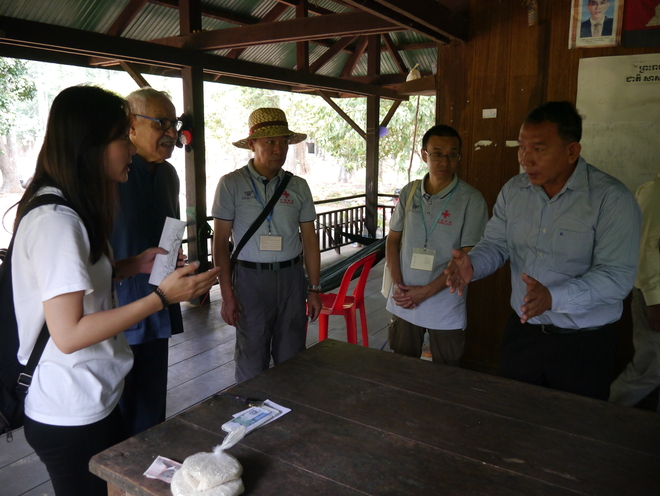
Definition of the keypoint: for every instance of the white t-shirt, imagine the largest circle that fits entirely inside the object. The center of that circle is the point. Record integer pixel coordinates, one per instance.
(51, 258)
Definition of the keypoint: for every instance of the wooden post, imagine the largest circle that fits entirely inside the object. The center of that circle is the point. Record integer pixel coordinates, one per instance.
(190, 16)
(373, 120)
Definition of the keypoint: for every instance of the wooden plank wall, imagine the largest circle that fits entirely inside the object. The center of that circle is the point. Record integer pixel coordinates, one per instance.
(508, 66)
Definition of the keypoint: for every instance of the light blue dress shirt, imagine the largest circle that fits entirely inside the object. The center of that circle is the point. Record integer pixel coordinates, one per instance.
(582, 244)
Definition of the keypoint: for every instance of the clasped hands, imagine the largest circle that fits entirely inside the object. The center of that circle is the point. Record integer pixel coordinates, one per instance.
(410, 296)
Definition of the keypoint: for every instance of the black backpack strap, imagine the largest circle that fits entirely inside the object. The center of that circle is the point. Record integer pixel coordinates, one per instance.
(262, 216)
(25, 379)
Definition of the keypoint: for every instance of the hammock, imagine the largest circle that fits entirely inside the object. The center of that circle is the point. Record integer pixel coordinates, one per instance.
(332, 275)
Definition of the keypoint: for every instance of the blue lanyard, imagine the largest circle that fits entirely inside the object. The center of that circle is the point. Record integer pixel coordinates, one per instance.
(421, 212)
(254, 188)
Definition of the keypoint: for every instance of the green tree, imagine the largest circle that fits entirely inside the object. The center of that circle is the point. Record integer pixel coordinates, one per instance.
(16, 88)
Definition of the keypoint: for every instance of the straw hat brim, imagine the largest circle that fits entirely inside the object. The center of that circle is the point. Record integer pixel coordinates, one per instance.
(294, 138)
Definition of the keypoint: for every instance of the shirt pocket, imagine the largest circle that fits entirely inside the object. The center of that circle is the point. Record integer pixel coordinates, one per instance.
(572, 251)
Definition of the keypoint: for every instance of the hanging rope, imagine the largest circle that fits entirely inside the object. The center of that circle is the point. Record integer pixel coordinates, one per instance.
(412, 153)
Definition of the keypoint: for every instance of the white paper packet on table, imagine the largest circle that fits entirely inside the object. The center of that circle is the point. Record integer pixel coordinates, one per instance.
(170, 239)
(256, 416)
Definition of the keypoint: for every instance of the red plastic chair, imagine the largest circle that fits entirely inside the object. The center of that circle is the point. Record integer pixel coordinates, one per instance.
(347, 305)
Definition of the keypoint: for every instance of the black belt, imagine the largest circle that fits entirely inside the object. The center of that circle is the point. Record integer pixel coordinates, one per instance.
(551, 329)
(269, 266)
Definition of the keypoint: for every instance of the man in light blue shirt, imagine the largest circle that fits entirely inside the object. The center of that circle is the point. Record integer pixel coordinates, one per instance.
(572, 234)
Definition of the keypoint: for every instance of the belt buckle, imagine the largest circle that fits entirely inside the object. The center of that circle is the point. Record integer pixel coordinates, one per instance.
(275, 266)
(543, 329)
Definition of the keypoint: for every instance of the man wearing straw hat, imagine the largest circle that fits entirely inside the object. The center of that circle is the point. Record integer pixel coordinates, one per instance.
(265, 296)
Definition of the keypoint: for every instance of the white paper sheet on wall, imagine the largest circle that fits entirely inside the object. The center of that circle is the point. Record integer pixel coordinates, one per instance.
(620, 100)
(170, 239)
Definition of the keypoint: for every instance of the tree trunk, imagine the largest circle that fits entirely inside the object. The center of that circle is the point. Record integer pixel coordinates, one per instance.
(343, 174)
(301, 157)
(8, 168)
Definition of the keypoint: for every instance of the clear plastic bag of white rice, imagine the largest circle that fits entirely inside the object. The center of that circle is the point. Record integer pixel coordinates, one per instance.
(211, 474)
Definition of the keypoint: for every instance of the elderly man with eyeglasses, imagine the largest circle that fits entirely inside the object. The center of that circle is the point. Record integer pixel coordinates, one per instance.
(433, 216)
(149, 196)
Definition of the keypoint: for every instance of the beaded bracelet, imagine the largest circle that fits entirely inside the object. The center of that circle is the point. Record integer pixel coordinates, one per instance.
(162, 297)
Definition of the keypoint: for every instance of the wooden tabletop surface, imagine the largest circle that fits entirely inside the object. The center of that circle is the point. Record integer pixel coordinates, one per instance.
(364, 421)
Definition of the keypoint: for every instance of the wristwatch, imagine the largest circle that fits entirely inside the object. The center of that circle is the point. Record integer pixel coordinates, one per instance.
(314, 288)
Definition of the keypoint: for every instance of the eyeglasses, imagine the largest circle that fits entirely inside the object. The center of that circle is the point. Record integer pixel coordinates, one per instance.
(164, 124)
(436, 157)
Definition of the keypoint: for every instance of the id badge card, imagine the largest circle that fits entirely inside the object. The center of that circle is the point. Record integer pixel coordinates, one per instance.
(422, 259)
(270, 243)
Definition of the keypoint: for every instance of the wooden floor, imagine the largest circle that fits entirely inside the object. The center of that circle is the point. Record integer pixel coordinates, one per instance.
(201, 363)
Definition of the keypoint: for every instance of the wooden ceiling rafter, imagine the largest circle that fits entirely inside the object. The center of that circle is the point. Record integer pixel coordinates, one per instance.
(135, 73)
(331, 52)
(389, 46)
(126, 16)
(273, 15)
(212, 13)
(312, 8)
(352, 61)
(427, 17)
(302, 46)
(341, 113)
(307, 29)
(35, 35)
(122, 21)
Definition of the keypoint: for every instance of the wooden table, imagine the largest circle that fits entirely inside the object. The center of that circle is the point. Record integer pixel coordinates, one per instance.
(368, 422)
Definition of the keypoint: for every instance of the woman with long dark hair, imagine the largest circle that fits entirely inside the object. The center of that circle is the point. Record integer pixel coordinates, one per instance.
(62, 272)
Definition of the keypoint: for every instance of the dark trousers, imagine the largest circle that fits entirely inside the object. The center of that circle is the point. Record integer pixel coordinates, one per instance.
(66, 452)
(580, 362)
(145, 389)
(272, 320)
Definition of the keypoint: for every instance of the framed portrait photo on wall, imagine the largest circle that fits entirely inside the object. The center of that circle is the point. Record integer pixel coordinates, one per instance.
(595, 23)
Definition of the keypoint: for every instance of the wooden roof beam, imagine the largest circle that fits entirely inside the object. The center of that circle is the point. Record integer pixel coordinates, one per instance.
(36, 35)
(302, 46)
(427, 17)
(272, 16)
(330, 53)
(213, 13)
(342, 114)
(313, 9)
(126, 16)
(310, 28)
(353, 59)
(389, 46)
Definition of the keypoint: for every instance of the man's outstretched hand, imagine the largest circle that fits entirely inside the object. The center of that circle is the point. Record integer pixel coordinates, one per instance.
(459, 271)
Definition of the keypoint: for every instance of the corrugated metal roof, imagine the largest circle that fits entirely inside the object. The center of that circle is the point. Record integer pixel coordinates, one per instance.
(153, 22)
(89, 15)
(157, 21)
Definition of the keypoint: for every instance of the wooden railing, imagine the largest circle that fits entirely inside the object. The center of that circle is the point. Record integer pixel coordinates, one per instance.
(330, 224)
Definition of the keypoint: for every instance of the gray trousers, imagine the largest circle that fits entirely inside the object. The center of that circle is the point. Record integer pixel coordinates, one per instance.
(642, 375)
(272, 320)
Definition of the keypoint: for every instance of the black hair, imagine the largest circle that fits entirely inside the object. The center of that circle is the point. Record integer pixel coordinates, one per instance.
(564, 114)
(83, 121)
(441, 130)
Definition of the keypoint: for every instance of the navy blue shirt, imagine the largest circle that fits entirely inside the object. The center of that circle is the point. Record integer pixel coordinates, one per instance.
(144, 202)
